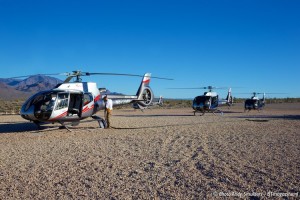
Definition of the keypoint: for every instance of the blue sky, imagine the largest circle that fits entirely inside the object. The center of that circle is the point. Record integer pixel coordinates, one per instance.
(245, 44)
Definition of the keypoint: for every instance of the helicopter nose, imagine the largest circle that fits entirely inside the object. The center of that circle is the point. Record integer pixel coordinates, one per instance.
(27, 112)
(25, 116)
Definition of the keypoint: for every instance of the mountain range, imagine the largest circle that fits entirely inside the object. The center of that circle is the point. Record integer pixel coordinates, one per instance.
(11, 89)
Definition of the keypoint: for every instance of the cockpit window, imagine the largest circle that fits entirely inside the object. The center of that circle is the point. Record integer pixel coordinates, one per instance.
(41, 99)
(201, 99)
(62, 101)
(28, 104)
(214, 100)
(48, 102)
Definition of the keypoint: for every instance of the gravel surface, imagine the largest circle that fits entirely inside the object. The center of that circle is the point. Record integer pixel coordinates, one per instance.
(156, 154)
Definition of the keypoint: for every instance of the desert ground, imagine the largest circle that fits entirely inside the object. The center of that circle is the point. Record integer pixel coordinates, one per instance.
(156, 154)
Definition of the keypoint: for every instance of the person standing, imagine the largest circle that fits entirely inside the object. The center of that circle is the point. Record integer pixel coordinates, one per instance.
(108, 110)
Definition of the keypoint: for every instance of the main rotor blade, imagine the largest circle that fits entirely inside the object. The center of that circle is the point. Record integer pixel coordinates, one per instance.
(117, 74)
(269, 93)
(185, 88)
(170, 79)
(209, 88)
(79, 73)
(258, 93)
(37, 75)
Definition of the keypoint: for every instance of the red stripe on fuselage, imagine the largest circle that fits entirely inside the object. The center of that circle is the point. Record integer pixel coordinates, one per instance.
(59, 116)
(97, 98)
(87, 108)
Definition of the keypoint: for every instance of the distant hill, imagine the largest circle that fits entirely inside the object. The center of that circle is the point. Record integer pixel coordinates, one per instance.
(10, 93)
(10, 81)
(19, 89)
(12, 89)
(37, 83)
(104, 91)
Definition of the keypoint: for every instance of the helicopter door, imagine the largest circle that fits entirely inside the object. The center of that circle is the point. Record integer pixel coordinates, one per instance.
(214, 101)
(75, 105)
(62, 101)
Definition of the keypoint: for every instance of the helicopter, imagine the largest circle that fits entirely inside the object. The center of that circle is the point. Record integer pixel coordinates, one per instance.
(254, 103)
(75, 101)
(209, 101)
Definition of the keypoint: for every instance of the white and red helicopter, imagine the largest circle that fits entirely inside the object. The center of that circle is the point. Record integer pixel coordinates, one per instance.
(75, 101)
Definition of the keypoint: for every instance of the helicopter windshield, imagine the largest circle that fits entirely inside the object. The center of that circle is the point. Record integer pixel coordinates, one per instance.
(41, 99)
(251, 101)
(201, 99)
(44, 104)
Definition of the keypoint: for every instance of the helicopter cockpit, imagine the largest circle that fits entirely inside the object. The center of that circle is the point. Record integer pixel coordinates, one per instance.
(43, 105)
(251, 103)
(254, 104)
(205, 102)
(202, 102)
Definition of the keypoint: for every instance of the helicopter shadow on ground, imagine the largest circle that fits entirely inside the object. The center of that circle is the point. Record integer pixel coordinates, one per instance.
(8, 127)
(21, 127)
(156, 115)
(270, 117)
(231, 111)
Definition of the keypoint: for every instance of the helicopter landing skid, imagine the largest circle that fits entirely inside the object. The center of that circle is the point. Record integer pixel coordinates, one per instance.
(64, 126)
(214, 112)
(37, 123)
(102, 123)
(201, 112)
(40, 127)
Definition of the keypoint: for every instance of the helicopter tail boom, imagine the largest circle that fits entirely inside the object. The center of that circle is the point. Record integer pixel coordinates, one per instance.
(228, 101)
(142, 99)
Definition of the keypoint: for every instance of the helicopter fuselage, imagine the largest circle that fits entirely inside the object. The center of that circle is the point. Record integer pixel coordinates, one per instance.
(66, 102)
(209, 102)
(206, 102)
(254, 104)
